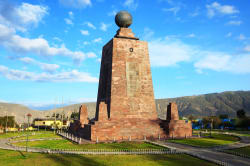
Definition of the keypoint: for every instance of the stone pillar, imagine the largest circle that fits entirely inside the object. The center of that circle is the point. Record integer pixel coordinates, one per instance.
(172, 112)
(103, 113)
(83, 115)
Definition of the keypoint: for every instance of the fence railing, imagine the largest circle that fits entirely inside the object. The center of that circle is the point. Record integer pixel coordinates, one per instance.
(70, 137)
(219, 162)
(97, 151)
(235, 153)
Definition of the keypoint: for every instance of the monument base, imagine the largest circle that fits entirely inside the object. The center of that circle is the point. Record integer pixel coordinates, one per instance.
(129, 129)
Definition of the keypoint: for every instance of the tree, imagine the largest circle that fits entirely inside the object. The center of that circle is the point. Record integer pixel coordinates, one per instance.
(191, 118)
(223, 116)
(241, 114)
(243, 122)
(74, 115)
(216, 121)
(208, 120)
(9, 121)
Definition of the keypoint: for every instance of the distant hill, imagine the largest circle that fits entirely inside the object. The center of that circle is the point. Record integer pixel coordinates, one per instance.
(19, 111)
(208, 104)
(200, 105)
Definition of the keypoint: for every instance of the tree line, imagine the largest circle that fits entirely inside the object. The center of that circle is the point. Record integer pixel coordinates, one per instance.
(222, 121)
(7, 121)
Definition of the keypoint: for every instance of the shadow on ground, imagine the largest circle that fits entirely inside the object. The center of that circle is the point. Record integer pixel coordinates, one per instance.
(179, 160)
(74, 160)
(21, 153)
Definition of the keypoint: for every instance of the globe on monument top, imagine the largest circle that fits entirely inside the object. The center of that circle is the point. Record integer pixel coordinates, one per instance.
(123, 19)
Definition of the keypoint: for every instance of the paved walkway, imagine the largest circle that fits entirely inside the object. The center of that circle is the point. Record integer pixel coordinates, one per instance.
(211, 153)
(3, 144)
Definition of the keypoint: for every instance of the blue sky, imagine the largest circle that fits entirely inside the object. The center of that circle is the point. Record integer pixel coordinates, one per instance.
(50, 51)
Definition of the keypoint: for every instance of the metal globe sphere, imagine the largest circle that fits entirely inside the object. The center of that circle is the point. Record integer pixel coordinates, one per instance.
(123, 19)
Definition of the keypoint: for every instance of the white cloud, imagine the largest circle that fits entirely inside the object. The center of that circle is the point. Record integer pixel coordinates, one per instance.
(229, 34)
(169, 53)
(67, 76)
(216, 8)
(195, 13)
(218, 61)
(76, 3)
(91, 55)
(39, 46)
(57, 39)
(131, 4)
(247, 48)
(90, 25)
(27, 60)
(40, 105)
(234, 23)
(84, 32)
(97, 40)
(19, 17)
(71, 15)
(44, 66)
(86, 43)
(241, 37)
(6, 33)
(112, 13)
(49, 67)
(174, 10)
(147, 34)
(104, 26)
(68, 21)
(3, 101)
(192, 35)
(29, 13)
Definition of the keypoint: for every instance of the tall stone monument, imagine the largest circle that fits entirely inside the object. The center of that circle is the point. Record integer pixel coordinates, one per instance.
(125, 88)
(125, 108)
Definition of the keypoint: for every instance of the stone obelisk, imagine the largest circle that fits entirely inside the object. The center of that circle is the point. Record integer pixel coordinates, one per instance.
(125, 103)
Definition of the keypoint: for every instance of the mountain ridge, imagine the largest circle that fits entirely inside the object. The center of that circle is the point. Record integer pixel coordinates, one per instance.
(227, 102)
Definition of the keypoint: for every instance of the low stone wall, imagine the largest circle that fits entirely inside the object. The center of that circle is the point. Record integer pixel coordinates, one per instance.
(80, 140)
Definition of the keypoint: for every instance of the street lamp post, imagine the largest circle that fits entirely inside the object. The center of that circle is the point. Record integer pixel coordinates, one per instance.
(28, 115)
(211, 126)
(6, 122)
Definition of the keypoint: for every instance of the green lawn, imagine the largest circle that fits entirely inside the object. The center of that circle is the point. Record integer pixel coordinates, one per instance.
(216, 140)
(11, 134)
(245, 150)
(241, 132)
(39, 135)
(65, 144)
(13, 158)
